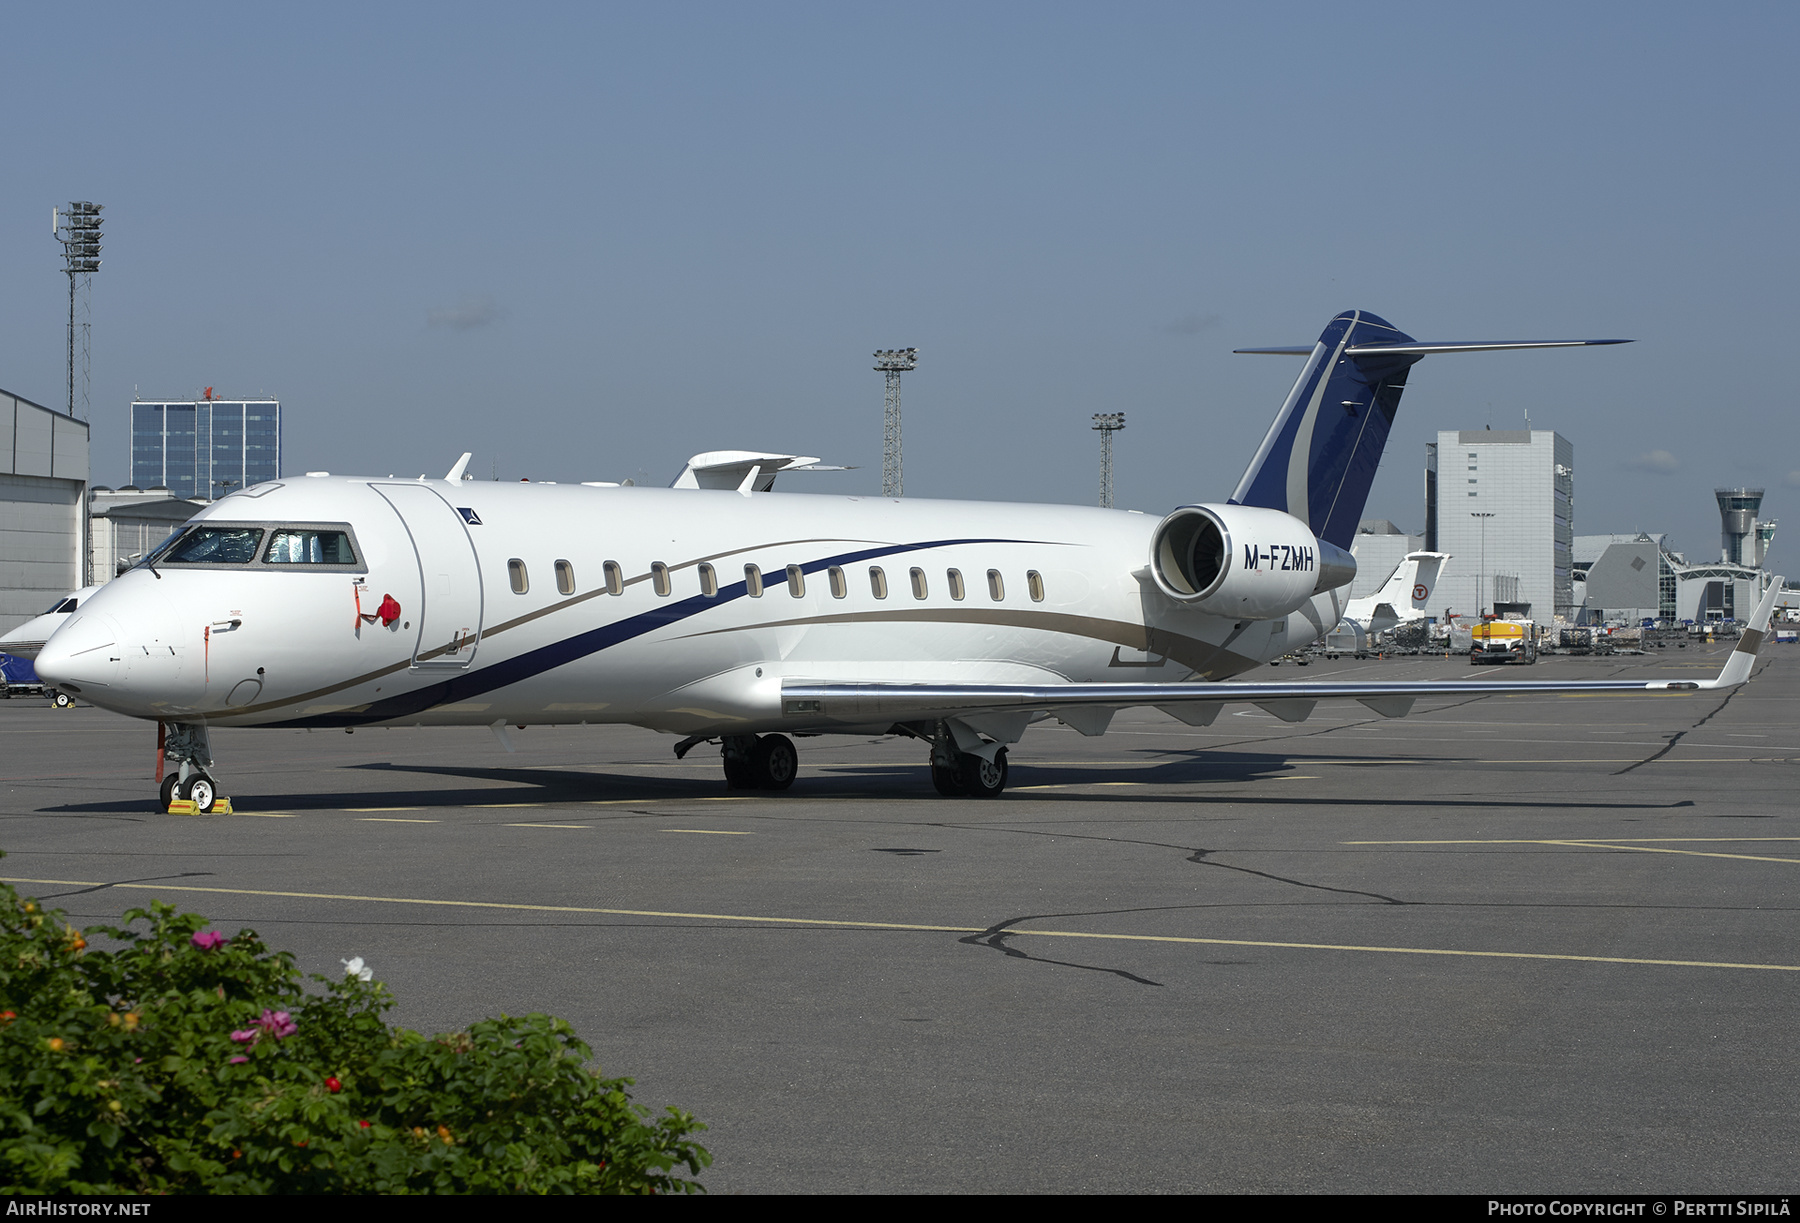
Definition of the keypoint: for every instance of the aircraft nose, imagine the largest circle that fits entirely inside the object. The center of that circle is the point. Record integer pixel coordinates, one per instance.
(84, 651)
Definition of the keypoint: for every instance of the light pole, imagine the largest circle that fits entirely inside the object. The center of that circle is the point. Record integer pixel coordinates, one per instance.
(1481, 577)
(1107, 423)
(892, 362)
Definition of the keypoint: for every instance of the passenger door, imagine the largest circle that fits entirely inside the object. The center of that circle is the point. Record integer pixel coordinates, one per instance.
(449, 575)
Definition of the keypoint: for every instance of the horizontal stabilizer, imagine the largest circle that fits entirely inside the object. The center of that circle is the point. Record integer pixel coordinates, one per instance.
(1421, 348)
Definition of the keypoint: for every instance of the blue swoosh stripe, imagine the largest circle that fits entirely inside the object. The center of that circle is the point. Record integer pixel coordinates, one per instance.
(524, 666)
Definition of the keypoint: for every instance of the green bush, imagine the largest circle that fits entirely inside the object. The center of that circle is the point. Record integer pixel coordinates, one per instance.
(176, 1060)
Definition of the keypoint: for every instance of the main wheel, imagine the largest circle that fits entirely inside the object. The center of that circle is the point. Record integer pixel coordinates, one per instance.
(947, 780)
(168, 790)
(738, 775)
(774, 763)
(200, 790)
(980, 778)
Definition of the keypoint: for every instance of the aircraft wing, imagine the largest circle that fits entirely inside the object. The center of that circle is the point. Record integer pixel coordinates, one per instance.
(1090, 705)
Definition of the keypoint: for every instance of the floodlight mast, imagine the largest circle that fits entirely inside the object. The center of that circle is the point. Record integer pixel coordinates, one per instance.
(1108, 423)
(892, 361)
(79, 232)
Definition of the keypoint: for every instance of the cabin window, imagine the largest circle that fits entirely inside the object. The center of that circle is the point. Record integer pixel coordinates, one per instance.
(659, 578)
(918, 583)
(877, 582)
(996, 586)
(1034, 582)
(565, 578)
(615, 581)
(753, 581)
(796, 581)
(838, 587)
(306, 546)
(515, 571)
(709, 581)
(956, 584)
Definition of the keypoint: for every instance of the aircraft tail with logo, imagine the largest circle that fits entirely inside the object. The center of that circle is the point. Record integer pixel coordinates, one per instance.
(1402, 597)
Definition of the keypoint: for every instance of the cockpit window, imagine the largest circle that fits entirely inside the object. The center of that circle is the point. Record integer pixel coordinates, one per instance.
(215, 546)
(61, 605)
(309, 546)
(292, 547)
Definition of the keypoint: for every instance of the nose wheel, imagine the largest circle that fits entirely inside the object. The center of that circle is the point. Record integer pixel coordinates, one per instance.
(185, 762)
(198, 789)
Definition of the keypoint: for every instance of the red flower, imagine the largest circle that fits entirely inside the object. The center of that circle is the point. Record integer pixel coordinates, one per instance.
(364, 1124)
(332, 1085)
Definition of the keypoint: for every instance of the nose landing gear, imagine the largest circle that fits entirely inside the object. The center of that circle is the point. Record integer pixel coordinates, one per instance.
(185, 762)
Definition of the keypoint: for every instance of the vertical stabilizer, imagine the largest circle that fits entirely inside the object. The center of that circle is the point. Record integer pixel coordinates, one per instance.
(1318, 461)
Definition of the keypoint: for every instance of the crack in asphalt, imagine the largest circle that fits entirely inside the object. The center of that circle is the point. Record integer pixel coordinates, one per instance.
(1681, 734)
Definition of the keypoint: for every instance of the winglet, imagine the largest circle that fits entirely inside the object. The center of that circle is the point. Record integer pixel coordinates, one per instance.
(1737, 667)
(462, 465)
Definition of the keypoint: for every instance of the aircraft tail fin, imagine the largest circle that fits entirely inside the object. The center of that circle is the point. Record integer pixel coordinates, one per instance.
(1403, 595)
(1319, 458)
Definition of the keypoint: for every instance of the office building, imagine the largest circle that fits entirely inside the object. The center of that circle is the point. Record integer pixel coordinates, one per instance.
(1502, 502)
(204, 448)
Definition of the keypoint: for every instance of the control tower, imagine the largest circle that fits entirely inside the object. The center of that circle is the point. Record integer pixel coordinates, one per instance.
(1737, 523)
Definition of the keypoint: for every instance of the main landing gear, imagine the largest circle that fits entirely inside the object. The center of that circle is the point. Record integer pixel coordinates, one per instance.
(960, 774)
(769, 762)
(185, 762)
(759, 762)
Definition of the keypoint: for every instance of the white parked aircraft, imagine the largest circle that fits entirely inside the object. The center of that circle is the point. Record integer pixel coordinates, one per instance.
(28, 638)
(745, 617)
(1401, 600)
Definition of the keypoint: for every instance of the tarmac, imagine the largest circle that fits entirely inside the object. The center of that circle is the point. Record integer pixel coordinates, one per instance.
(1517, 944)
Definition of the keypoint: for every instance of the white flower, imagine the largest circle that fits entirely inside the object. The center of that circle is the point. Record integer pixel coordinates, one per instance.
(354, 968)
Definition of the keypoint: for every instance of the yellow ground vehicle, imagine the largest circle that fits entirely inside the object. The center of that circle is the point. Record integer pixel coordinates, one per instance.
(1503, 641)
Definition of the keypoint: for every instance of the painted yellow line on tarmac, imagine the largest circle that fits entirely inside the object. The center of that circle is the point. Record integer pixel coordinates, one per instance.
(391, 819)
(710, 832)
(1619, 843)
(1585, 841)
(548, 825)
(916, 926)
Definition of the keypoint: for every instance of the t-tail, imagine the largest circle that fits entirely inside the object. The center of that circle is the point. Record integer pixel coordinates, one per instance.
(1318, 461)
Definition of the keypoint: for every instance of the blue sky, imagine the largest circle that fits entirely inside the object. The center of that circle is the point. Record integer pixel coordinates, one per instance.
(588, 241)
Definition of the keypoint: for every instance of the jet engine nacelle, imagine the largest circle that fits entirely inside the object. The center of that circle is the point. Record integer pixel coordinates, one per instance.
(1244, 562)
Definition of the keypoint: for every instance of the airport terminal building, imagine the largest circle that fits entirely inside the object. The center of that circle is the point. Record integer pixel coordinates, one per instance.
(204, 448)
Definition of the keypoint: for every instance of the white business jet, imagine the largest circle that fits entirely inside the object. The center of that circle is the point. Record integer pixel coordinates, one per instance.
(1401, 600)
(744, 617)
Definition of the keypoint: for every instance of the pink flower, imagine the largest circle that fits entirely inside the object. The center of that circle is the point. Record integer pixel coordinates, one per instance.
(207, 940)
(235, 1060)
(278, 1024)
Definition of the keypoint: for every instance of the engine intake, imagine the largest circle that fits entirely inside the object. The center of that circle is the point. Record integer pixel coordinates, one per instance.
(1243, 561)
